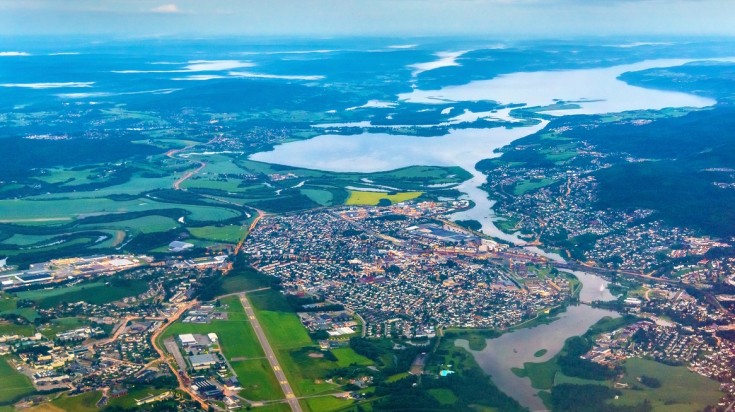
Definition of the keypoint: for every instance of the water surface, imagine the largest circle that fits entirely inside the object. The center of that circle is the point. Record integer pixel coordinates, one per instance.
(513, 349)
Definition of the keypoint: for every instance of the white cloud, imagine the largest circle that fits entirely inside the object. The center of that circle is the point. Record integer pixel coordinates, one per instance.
(166, 9)
(274, 76)
(13, 54)
(108, 94)
(446, 59)
(48, 85)
(200, 77)
(197, 66)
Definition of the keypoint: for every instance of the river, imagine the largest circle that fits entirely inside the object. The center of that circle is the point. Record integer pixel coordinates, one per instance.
(513, 349)
(594, 91)
(377, 152)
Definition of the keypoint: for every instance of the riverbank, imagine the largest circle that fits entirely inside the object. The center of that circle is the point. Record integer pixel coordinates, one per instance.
(537, 341)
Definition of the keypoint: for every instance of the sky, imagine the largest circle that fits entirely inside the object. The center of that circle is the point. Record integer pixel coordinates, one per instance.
(524, 18)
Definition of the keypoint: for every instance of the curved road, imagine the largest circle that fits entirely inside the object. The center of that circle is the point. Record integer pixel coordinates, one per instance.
(293, 402)
(182, 385)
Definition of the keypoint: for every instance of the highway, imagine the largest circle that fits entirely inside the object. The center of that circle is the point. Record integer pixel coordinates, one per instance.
(293, 402)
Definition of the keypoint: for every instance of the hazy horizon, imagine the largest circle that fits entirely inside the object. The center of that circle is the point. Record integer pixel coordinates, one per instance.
(376, 18)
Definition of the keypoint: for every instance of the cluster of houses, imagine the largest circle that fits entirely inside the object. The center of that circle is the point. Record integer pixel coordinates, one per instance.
(387, 266)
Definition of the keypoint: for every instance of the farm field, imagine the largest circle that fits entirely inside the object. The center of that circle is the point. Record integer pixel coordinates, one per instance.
(373, 198)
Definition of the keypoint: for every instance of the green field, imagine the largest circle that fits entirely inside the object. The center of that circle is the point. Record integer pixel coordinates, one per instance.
(145, 224)
(240, 346)
(240, 279)
(306, 373)
(322, 197)
(347, 357)
(13, 384)
(541, 374)
(227, 234)
(681, 389)
(86, 402)
(67, 209)
(8, 306)
(282, 326)
(297, 353)
(63, 211)
(237, 339)
(26, 240)
(328, 403)
(7, 328)
(7, 302)
(444, 396)
(62, 325)
(372, 198)
(284, 330)
(561, 379)
(529, 185)
(274, 407)
(97, 292)
(257, 380)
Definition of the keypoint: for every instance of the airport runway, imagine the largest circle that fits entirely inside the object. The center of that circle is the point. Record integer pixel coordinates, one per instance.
(285, 386)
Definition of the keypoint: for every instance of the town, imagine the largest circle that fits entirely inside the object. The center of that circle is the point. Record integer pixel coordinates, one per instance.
(402, 272)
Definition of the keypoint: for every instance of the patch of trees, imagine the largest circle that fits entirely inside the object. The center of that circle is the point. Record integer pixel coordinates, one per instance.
(21, 155)
(470, 224)
(289, 201)
(393, 270)
(351, 232)
(404, 396)
(650, 381)
(375, 349)
(384, 202)
(572, 364)
(473, 387)
(371, 349)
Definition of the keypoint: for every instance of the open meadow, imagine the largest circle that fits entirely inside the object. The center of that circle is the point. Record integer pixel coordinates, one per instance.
(13, 384)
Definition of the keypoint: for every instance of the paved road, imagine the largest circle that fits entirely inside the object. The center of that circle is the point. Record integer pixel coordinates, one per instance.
(184, 386)
(293, 402)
